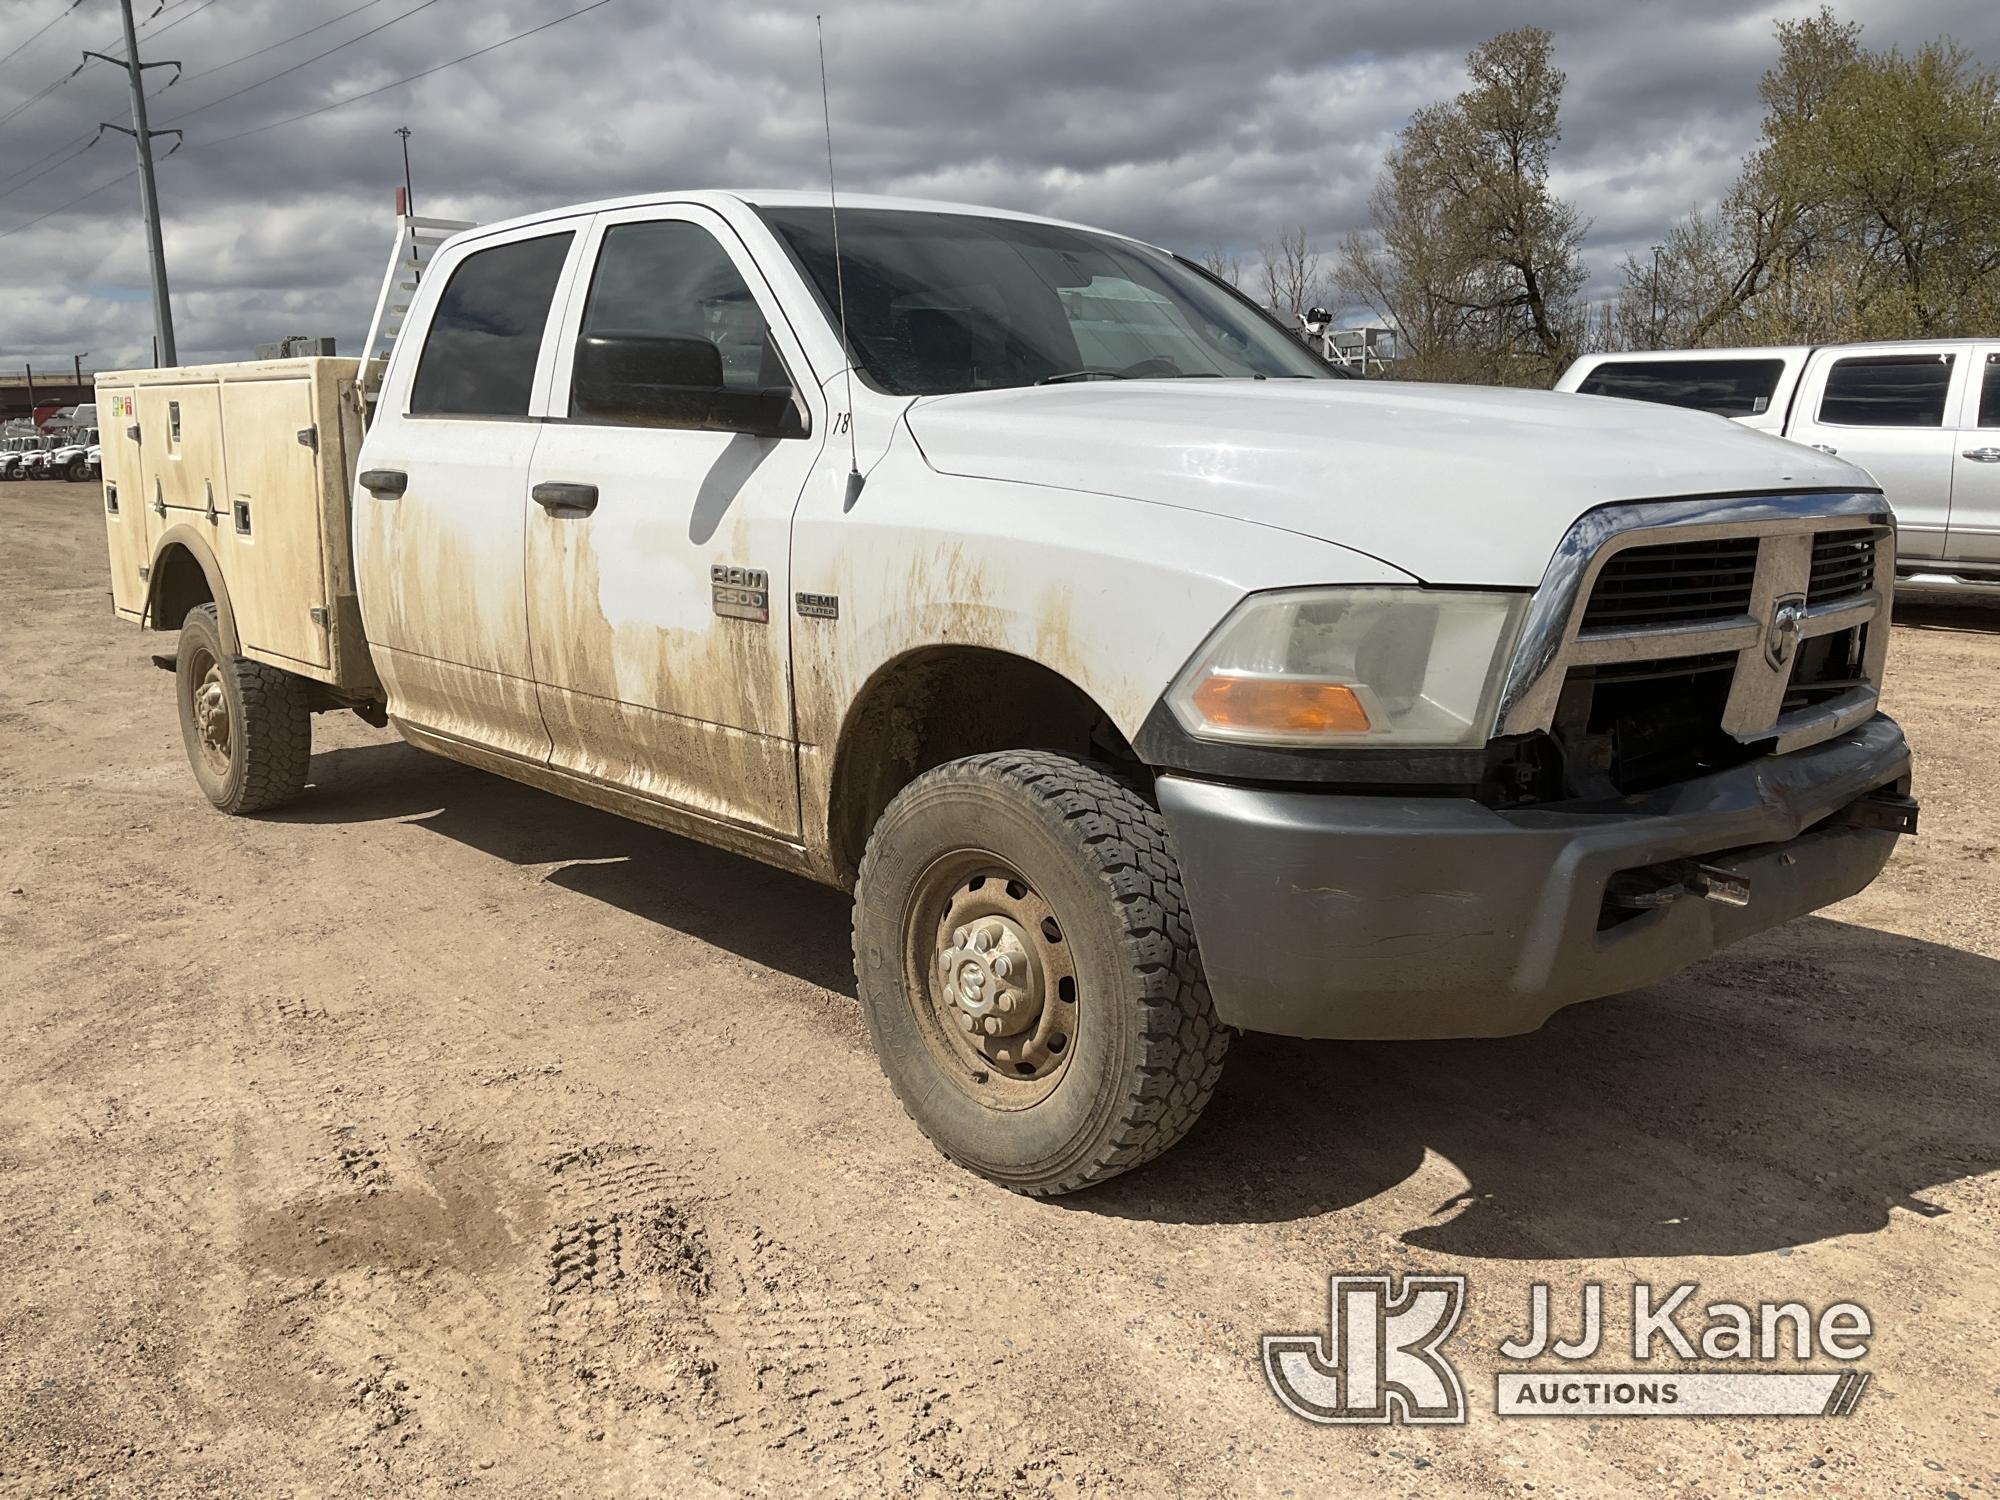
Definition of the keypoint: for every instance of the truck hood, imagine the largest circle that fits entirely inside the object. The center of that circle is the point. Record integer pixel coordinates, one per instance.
(1452, 484)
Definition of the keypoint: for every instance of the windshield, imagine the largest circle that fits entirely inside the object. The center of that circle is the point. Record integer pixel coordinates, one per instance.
(941, 302)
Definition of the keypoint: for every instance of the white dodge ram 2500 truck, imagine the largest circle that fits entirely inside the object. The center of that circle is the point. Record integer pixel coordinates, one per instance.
(1143, 679)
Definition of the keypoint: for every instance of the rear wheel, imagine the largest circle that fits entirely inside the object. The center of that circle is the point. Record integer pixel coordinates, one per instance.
(247, 727)
(1028, 972)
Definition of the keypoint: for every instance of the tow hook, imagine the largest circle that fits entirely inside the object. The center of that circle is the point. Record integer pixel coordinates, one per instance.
(1662, 885)
(1885, 809)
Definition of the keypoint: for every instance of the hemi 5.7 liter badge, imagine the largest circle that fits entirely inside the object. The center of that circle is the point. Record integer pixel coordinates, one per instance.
(740, 593)
(819, 606)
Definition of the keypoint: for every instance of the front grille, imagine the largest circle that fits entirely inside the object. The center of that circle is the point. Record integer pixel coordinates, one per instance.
(1673, 583)
(1683, 657)
(1843, 563)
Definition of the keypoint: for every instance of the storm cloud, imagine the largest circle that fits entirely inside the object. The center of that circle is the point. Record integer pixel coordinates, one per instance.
(1195, 125)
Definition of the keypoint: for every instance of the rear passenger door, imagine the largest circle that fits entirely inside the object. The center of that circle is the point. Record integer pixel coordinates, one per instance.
(442, 491)
(1887, 409)
(1975, 483)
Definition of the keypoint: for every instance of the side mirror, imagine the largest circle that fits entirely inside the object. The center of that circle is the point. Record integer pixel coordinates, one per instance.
(664, 380)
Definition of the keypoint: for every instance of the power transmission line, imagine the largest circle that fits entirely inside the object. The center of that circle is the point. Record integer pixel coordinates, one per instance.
(73, 4)
(272, 78)
(295, 36)
(309, 114)
(63, 162)
(61, 207)
(116, 48)
(205, 4)
(33, 99)
(371, 93)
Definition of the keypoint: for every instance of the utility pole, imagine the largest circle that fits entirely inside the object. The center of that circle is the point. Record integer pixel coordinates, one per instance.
(409, 193)
(149, 195)
(79, 366)
(30, 368)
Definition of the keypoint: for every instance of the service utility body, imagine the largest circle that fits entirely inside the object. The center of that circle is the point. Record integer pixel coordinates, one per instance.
(1153, 682)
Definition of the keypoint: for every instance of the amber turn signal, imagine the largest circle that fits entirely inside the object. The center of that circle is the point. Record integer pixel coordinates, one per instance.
(1289, 705)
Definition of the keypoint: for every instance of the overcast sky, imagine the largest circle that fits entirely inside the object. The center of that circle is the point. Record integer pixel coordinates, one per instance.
(1194, 125)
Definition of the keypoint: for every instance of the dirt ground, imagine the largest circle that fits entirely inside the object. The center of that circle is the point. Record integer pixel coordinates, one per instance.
(437, 1135)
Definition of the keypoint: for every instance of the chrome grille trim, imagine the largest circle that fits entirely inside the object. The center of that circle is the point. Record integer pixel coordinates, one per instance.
(1787, 527)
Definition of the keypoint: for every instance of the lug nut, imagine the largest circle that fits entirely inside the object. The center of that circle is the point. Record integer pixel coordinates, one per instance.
(958, 938)
(1007, 1004)
(966, 1021)
(992, 1025)
(981, 941)
(1002, 966)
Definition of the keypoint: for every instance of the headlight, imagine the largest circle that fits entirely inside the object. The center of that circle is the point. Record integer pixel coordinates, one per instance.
(1352, 666)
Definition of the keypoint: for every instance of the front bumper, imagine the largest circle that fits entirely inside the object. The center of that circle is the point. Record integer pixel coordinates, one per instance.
(1399, 916)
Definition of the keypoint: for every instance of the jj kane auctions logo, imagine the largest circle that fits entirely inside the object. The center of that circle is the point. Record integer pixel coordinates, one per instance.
(1382, 1357)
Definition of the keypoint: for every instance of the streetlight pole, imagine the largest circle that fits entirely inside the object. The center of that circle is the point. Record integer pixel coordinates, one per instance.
(149, 195)
(1653, 297)
(409, 193)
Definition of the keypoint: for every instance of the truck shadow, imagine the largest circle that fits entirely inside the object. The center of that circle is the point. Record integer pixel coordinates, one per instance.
(1973, 617)
(1799, 1087)
(762, 914)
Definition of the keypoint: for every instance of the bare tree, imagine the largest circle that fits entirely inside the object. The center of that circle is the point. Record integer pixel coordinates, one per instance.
(1292, 279)
(1225, 265)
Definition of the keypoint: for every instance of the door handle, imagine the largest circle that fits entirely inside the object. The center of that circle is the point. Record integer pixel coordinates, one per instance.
(565, 499)
(1825, 448)
(1983, 455)
(384, 484)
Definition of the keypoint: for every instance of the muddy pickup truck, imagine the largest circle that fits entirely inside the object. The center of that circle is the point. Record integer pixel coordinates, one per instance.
(1144, 679)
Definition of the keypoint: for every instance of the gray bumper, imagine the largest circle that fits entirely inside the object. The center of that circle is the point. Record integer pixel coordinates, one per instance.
(1396, 916)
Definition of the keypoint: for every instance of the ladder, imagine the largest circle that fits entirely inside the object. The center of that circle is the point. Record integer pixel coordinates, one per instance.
(417, 242)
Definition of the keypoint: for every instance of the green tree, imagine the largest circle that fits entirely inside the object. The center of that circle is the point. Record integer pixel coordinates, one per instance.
(1870, 210)
(1470, 255)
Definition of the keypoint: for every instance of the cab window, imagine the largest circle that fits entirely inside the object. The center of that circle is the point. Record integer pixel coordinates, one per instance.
(486, 335)
(670, 277)
(1989, 394)
(1725, 387)
(1887, 390)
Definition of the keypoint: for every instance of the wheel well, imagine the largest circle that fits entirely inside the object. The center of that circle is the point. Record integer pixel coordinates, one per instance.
(941, 703)
(178, 585)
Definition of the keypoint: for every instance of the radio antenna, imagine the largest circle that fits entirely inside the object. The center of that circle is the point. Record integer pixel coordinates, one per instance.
(854, 479)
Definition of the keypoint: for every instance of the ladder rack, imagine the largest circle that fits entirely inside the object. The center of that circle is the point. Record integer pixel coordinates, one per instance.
(417, 242)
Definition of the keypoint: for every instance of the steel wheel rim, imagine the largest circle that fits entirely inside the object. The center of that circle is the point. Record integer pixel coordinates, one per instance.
(209, 707)
(979, 936)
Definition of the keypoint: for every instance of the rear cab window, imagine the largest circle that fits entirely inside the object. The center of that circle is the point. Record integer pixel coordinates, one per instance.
(485, 338)
(1886, 390)
(1989, 394)
(1725, 387)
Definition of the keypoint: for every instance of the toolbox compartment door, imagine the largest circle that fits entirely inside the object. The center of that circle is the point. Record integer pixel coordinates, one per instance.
(268, 537)
(125, 502)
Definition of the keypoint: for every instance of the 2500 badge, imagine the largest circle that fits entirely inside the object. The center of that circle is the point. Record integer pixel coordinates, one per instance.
(740, 593)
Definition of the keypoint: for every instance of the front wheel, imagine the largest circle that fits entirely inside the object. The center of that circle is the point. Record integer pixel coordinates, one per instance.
(247, 727)
(77, 472)
(1029, 974)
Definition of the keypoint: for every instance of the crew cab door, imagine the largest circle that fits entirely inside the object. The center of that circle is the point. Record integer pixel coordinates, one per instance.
(442, 491)
(659, 556)
(1975, 479)
(1888, 409)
